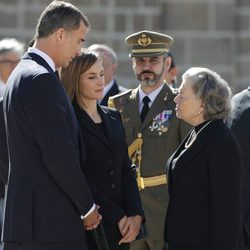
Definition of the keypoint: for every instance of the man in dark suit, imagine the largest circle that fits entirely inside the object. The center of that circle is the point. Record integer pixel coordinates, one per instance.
(109, 62)
(48, 203)
(4, 161)
(3, 148)
(239, 123)
(11, 51)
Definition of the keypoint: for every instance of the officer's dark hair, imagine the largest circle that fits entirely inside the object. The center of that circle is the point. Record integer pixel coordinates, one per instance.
(172, 65)
(59, 14)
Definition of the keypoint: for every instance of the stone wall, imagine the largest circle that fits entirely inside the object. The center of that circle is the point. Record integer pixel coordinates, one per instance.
(210, 33)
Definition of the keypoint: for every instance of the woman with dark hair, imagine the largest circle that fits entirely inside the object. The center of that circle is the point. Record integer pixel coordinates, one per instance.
(107, 170)
(205, 172)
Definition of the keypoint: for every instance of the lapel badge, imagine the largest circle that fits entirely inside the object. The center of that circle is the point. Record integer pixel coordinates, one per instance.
(161, 122)
(166, 97)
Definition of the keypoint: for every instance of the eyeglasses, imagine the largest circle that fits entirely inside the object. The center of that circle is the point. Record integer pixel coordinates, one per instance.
(10, 62)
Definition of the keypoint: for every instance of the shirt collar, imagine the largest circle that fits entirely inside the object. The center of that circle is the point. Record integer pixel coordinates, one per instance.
(2, 88)
(152, 95)
(43, 55)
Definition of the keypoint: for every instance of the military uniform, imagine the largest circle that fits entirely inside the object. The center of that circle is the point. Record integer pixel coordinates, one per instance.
(161, 132)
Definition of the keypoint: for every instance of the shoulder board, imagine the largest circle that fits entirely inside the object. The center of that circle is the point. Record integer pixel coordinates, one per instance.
(112, 99)
(124, 93)
(122, 89)
(109, 109)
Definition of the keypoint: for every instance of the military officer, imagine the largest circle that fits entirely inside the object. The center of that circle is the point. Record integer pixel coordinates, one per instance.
(148, 114)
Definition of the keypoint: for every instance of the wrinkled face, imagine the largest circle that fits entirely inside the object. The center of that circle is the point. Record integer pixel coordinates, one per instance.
(149, 70)
(188, 106)
(71, 44)
(8, 62)
(92, 82)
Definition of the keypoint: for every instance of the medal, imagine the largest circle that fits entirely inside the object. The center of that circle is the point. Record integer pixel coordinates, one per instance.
(161, 122)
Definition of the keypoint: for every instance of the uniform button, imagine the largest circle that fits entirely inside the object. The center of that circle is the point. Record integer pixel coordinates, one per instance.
(111, 161)
(113, 185)
(111, 172)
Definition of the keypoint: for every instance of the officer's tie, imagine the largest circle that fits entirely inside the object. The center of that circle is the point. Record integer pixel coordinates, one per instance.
(145, 108)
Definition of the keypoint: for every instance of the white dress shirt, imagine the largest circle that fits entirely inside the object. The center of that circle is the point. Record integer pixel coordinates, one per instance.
(152, 96)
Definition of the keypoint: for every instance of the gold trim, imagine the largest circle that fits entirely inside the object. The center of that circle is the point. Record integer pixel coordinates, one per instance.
(149, 50)
(152, 181)
(136, 44)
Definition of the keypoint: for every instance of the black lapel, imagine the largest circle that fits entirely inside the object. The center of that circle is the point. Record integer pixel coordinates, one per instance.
(113, 91)
(110, 123)
(88, 124)
(192, 151)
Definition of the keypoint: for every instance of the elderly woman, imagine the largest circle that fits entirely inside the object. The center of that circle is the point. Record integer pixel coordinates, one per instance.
(204, 173)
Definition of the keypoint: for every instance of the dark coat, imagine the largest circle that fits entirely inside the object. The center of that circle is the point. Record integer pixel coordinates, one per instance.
(204, 192)
(4, 161)
(116, 89)
(108, 172)
(239, 123)
(47, 191)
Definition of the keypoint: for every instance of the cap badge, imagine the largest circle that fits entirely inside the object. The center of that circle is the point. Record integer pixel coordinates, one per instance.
(144, 40)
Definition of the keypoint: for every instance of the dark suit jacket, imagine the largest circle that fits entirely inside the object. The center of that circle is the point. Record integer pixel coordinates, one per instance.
(47, 191)
(108, 170)
(116, 89)
(239, 123)
(204, 191)
(4, 161)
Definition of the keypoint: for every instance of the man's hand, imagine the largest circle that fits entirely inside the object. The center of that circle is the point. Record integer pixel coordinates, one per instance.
(93, 219)
(130, 228)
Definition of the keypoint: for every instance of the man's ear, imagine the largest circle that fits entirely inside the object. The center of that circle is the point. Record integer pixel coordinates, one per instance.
(168, 63)
(60, 35)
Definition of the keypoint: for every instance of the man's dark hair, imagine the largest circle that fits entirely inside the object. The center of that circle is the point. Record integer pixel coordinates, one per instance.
(59, 14)
(172, 65)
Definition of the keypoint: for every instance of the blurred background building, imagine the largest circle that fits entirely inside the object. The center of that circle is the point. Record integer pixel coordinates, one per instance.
(210, 33)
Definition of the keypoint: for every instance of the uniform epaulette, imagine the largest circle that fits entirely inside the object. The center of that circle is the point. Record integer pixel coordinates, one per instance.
(111, 101)
(121, 94)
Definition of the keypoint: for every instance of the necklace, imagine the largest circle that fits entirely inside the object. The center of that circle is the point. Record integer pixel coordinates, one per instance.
(193, 135)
